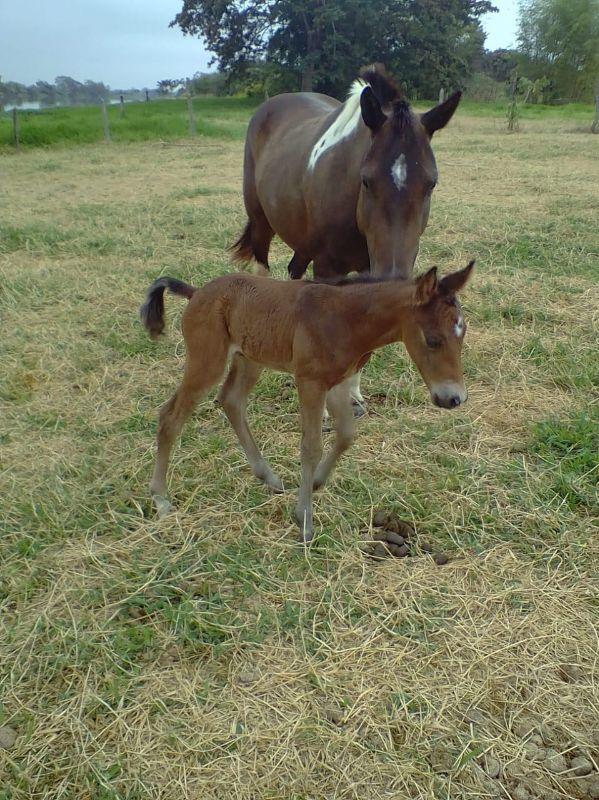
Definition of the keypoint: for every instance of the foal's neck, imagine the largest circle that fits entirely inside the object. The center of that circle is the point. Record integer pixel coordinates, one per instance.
(381, 312)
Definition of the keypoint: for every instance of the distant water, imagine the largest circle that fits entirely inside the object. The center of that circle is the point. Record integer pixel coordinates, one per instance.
(35, 105)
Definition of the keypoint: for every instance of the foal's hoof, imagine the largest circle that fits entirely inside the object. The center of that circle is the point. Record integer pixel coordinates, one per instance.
(275, 483)
(359, 409)
(162, 506)
(272, 480)
(306, 533)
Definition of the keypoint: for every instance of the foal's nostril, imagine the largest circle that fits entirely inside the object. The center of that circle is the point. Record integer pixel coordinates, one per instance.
(454, 401)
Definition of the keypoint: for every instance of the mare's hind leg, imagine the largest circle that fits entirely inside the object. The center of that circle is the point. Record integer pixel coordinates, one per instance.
(340, 408)
(233, 397)
(202, 371)
(297, 266)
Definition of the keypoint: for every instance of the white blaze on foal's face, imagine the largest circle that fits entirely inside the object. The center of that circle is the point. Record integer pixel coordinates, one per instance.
(399, 171)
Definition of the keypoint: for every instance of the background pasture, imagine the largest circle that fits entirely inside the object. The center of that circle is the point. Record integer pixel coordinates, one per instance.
(206, 655)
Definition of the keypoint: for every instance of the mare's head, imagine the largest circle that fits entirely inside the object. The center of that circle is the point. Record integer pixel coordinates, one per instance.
(398, 173)
(435, 333)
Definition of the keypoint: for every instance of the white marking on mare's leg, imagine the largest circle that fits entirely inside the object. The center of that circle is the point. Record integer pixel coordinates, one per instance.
(399, 172)
(343, 126)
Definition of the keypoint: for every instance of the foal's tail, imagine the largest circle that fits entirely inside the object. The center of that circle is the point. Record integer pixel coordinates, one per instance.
(152, 311)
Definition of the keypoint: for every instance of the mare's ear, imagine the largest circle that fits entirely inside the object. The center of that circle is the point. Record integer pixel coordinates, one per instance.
(372, 113)
(426, 286)
(439, 116)
(454, 283)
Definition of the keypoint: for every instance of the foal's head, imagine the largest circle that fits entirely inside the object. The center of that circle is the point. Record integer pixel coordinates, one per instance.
(398, 173)
(435, 335)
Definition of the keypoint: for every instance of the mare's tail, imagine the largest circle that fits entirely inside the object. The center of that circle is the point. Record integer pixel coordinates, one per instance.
(243, 249)
(152, 311)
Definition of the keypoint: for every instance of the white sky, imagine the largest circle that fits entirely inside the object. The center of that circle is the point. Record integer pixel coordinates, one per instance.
(127, 43)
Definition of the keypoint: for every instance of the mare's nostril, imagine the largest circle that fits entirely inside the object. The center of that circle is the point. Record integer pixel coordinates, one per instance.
(454, 401)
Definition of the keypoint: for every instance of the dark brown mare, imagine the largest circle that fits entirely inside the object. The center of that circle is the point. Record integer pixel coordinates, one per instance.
(310, 332)
(345, 185)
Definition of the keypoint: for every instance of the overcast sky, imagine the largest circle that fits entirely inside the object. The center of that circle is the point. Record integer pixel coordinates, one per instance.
(126, 43)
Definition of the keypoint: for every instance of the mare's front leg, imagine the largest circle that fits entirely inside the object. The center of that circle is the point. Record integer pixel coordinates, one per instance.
(312, 399)
(233, 398)
(339, 405)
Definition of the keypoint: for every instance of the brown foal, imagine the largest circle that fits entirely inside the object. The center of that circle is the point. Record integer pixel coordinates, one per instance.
(320, 333)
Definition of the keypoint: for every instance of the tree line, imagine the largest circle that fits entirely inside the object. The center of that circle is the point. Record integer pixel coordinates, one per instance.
(285, 45)
(64, 91)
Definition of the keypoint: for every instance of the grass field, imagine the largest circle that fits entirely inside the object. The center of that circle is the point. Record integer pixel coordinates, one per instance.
(216, 117)
(206, 655)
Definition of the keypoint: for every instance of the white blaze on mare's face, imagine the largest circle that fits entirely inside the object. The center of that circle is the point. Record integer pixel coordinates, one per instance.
(342, 127)
(458, 328)
(399, 172)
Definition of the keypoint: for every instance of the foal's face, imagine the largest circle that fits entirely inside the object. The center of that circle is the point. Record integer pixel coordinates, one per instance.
(435, 335)
(398, 175)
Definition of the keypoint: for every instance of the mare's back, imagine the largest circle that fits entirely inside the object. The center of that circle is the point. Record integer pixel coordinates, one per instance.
(299, 113)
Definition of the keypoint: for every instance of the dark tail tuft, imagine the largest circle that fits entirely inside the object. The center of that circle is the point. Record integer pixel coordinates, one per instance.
(152, 311)
(243, 249)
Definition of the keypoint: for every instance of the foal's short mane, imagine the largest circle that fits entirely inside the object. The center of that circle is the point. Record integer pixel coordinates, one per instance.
(347, 281)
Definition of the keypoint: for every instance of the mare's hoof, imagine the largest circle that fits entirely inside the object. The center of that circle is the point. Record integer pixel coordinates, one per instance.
(162, 506)
(359, 409)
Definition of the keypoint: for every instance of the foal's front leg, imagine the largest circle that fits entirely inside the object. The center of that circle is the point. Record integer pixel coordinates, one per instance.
(358, 402)
(312, 398)
(339, 405)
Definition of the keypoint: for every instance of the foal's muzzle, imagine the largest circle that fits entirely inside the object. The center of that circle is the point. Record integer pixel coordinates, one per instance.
(449, 395)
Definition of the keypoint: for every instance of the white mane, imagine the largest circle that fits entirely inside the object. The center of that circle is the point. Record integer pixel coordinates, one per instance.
(343, 126)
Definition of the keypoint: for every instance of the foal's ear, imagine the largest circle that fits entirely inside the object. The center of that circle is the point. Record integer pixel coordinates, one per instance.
(426, 286)
(372, 113)
(454, 283)
(439, 116)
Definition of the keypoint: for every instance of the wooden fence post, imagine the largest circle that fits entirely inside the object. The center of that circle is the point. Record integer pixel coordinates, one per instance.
(105, 122)
(15, 128)
(441, 95)
(595, 125)
(122, 109)
(192, 122)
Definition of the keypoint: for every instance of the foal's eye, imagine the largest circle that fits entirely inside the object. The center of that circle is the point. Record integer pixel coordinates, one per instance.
(365, 183)
(434, 342)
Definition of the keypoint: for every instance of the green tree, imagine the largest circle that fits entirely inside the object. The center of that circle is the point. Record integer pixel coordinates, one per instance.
(320, 44)
(560, 39)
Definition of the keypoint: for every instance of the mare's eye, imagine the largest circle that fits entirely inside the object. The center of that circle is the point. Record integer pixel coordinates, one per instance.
(365, 183)
(434, 342)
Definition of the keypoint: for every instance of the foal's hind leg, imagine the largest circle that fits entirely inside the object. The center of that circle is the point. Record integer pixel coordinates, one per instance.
(233, 397)
(201, 373)
(340, 407)
(312, 397)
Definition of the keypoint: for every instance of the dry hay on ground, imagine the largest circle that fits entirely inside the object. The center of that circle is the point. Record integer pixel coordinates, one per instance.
(207, 656)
